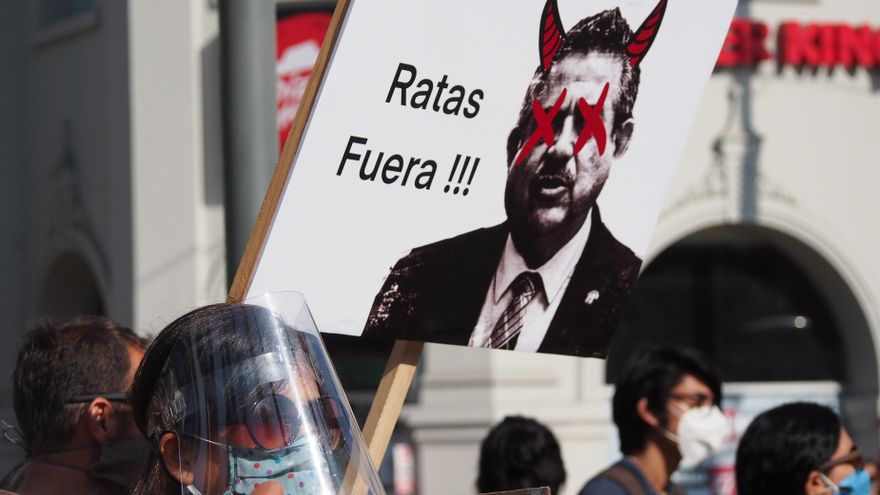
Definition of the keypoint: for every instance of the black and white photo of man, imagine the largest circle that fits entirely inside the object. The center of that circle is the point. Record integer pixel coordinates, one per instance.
(552, 277)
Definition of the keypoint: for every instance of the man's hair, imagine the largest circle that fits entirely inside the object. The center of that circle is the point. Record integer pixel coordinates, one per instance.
(652, 374)
(60, 359)
(781, 446)
(520, 453)
(606, 32)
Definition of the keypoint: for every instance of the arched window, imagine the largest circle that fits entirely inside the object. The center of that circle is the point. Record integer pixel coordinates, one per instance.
(740, 300)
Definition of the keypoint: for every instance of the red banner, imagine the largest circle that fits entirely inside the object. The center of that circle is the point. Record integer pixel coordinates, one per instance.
(298, 42)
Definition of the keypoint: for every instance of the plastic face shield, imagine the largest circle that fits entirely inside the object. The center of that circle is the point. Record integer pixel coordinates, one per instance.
(254, 405)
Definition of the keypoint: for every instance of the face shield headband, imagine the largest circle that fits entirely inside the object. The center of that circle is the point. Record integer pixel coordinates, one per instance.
(172, 402)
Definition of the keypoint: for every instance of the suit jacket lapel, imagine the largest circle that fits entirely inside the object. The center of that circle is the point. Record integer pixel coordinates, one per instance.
(470, 273)
(579, 322)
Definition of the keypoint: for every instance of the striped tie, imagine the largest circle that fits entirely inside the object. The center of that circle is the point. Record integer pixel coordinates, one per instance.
(509, 325)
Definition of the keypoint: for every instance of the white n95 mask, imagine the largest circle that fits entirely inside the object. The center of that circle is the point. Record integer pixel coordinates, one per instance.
(700, 434)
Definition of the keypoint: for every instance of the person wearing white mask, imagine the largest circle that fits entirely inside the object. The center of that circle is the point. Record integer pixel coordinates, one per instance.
(799, 448)
(666, 410)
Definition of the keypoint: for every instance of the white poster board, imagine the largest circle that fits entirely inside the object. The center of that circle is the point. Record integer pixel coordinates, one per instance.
(406, 149)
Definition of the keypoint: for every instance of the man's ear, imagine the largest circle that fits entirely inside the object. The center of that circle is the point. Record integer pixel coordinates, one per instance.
(622, 137)
(814, 484)
(172, 456)
(645, 413)
(102, 424)
(514, 139)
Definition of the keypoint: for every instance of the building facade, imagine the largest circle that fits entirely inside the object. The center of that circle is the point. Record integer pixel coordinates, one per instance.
(764, 254)
(112, 161)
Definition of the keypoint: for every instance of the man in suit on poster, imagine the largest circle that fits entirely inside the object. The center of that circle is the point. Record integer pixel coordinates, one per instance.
(552, 278)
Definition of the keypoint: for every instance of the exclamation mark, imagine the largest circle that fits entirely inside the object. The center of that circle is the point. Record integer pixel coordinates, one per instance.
(464, 169)
(452, 173)
(471, 177)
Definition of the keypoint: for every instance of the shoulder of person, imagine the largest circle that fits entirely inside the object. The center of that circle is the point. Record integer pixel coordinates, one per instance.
(602, 486)
(673, 489)
(451, 248)
(622, 478)
(617, 252)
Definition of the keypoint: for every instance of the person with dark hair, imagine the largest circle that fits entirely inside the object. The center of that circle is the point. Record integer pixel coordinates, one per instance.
(520, 453)
(552, 277)
(70, 394)
(799, 448)
(236, 400)
(666, 410)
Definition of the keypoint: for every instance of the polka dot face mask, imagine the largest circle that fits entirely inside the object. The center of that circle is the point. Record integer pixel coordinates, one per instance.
(291, 467)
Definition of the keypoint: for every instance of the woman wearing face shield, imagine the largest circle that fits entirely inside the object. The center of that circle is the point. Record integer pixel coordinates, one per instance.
(241, 399)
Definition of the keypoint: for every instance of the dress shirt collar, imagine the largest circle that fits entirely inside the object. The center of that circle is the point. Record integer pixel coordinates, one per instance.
(554, 273)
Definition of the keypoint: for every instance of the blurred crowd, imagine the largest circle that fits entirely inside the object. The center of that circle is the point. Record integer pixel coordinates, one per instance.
(218, 393)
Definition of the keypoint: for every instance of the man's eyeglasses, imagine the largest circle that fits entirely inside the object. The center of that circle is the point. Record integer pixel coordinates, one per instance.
(853, 457)
(694, 400)
(111, 396)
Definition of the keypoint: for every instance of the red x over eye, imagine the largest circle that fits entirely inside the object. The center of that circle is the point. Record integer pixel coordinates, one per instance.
(544, 126)
(594, 126)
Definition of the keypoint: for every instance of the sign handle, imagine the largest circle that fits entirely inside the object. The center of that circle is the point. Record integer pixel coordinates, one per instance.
(387, 403)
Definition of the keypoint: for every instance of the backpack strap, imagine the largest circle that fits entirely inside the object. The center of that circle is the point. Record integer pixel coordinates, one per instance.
(624, 477)
(675, 489)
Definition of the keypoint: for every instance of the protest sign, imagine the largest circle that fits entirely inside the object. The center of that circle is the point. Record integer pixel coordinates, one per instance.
(465, 143)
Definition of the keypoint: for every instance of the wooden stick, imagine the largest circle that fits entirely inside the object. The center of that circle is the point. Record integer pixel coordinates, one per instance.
(396, 379)
(386, 408)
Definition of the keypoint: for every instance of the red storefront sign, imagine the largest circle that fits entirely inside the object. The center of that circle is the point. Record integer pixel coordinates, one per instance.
(299, 38)
(811, 45)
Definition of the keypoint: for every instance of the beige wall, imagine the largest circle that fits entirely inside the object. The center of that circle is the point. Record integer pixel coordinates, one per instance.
(177, 216)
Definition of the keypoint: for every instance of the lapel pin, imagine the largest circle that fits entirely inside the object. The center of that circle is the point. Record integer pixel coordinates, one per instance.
(592, 296)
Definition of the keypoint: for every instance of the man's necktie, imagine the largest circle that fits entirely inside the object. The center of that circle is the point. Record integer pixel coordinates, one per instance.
(509, 325)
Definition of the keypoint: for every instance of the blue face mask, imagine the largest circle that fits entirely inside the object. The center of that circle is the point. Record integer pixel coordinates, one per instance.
(858, 483)
(293, 467)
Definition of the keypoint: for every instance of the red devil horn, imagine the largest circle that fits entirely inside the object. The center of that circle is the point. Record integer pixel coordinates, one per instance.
(645, 35)
(550, 35)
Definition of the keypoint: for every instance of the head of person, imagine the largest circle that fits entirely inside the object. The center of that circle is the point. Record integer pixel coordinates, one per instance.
(670, 397)
(799, 448)
(520, 453)
(70, 394)
(230, 399)
(576, 119)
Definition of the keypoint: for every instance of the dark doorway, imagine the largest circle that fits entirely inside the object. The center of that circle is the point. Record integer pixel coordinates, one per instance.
(740, 300)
